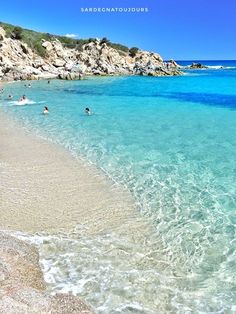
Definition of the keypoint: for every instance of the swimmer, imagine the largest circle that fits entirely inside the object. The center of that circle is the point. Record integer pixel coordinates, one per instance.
(23, 98)
(10, 97)
(45, 111)
(87, 111)
(48, 82)
(29, 85)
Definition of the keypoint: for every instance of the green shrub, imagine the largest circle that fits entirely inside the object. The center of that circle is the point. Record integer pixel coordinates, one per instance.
(39, 49)
(133, 51)
(104, 40)
(119, 47)
(17, 33)
(8, 28)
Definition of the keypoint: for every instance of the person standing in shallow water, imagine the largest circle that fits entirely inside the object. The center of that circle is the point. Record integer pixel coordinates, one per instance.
(45, 110)
(87, 111)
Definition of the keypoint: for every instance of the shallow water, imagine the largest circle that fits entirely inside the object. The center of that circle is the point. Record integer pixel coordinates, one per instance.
(172, 142)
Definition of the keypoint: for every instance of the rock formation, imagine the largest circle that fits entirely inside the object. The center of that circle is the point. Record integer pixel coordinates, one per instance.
(19, 62)
(22, 288)
(197, 66)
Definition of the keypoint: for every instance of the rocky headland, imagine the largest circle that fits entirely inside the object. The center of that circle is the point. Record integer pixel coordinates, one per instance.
(18, 61)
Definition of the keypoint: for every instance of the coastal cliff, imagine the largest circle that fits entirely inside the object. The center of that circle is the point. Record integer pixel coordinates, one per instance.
(18, 61)
(22, 287)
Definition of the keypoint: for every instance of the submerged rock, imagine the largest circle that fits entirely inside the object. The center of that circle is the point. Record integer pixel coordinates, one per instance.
(22, 287)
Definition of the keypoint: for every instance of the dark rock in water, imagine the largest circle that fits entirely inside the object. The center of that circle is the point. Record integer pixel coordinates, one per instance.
(197, 66)
(22, 287)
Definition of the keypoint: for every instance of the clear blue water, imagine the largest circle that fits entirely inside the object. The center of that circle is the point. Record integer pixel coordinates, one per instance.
(171, 141)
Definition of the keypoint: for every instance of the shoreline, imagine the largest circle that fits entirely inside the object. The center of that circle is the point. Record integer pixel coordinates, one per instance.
(84, 77)
(46, 189)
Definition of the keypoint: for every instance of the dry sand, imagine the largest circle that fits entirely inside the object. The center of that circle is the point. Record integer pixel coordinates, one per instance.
(43, 188)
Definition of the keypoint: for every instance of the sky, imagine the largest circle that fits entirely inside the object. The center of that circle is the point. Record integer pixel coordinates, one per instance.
(178, 29)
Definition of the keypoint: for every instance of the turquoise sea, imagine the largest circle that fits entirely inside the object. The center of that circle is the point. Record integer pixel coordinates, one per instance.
(172, 142)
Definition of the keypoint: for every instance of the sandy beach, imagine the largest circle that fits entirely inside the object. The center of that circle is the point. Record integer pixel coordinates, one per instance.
(45, 189)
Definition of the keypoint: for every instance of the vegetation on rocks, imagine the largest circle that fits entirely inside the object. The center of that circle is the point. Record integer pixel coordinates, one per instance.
(26, 54)
(33, 39)
(17, 33)
(133, 51)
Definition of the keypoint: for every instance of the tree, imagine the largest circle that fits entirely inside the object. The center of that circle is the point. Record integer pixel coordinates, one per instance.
(90, 40)
(104, 40)
(17, 33)
(133, 51)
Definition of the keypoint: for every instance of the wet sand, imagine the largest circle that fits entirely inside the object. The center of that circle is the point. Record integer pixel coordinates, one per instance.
(43, 188)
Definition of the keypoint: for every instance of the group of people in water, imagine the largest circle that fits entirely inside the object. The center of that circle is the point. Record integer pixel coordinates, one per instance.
(23, 100)
(86, 110)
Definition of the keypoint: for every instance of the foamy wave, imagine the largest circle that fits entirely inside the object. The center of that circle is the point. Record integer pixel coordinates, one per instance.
(23, 102)
(217, 67)
(230, 68)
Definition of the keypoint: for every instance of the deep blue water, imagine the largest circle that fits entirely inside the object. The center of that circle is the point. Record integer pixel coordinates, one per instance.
(171, 141)
(210, 63)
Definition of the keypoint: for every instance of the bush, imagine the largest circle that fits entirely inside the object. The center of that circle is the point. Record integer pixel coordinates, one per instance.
(90, 40)
(104, 40)
(119, 47)
(133, 51)
(81, 42)
(39, 49)
(17, 33)
(66, 40)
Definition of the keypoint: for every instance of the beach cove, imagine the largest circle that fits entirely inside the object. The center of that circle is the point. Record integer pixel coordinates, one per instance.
(176, 176)
(47, 191)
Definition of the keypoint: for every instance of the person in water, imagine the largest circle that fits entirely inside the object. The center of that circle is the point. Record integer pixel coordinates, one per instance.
(10, 97)
(87, 111)
(23, 98)
(45, 111)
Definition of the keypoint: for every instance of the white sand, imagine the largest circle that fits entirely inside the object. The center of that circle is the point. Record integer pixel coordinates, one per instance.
(43, 188)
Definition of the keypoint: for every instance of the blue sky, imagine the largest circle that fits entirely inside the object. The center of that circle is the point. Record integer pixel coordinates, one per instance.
(179, 29)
